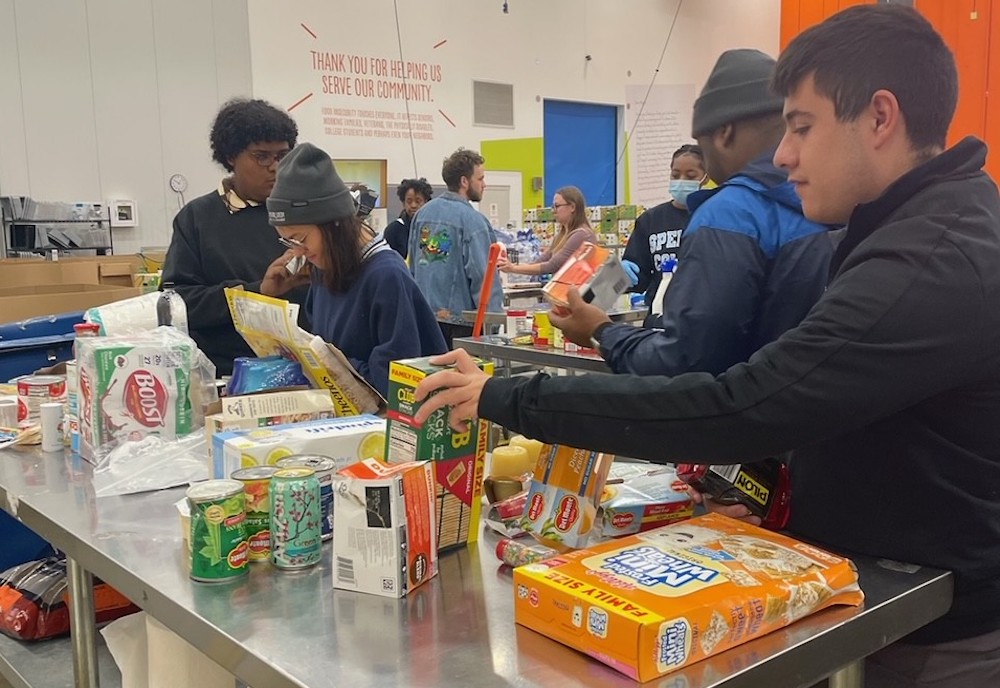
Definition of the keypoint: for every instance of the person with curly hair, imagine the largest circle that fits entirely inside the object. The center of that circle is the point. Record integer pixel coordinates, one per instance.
(223, 239)
(413, 193)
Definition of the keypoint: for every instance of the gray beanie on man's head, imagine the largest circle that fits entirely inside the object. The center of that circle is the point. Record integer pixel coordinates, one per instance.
(308, 190)
(738, 88)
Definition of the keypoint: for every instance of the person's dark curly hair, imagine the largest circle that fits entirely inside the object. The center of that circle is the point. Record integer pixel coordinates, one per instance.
(461, 163)
(241, 122)
(421, 186)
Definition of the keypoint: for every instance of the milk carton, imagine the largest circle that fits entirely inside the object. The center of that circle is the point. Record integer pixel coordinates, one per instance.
(133, 386)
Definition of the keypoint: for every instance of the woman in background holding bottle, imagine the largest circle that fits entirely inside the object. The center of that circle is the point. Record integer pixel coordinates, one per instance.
(574, 228)
(657, 233)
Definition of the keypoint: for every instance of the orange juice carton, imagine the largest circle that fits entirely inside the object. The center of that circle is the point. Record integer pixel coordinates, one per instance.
(345, 440)
(656, 601)
(640, 497)
(384, 527)
(566, 486)
(458, 458)
(595, 271)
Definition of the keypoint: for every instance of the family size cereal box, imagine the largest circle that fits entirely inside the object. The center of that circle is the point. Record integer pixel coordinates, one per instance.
(133, 386)
(653, 602)
(345, 440)
(458, 457)
(385, 535)
(566, 487)
(641, 497)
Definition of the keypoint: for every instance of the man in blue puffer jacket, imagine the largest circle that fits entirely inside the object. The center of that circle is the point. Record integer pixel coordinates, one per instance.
(750, 265)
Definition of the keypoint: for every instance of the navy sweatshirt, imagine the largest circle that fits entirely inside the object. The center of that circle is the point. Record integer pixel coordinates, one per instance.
(381, 317)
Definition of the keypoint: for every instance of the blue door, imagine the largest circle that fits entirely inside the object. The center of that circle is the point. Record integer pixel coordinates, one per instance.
(580, 149)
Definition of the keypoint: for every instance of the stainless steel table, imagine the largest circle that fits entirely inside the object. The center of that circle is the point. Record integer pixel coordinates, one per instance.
(277, 629)
(492, 346)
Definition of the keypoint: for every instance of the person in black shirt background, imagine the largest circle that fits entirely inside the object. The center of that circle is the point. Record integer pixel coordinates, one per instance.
(413, 193)
(657, 233)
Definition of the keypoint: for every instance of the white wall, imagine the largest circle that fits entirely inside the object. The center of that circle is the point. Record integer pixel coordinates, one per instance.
(103, 99)
(540, 47)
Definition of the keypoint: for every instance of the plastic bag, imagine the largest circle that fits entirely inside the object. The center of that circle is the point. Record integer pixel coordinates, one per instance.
(136, 315)
(152, 463)
(252, 375)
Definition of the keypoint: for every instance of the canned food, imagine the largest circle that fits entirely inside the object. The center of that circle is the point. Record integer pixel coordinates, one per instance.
(324, 467)
(218, 531)
(295, 518)
(257, 489)
(34, 390)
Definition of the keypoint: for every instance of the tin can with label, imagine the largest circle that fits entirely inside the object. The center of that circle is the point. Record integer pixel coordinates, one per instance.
(257, 490)
(295, 518)
(34, 390)
(218, 531)
(324, 467)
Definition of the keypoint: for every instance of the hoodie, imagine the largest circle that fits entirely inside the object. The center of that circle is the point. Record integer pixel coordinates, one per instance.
(750, 267)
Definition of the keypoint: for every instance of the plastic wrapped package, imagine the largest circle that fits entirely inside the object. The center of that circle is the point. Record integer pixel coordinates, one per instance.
(138, 314)
(265, 374)
(133, 386)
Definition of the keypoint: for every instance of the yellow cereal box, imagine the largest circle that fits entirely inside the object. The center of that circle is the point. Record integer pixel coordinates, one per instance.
(566, 488)
(653, 602)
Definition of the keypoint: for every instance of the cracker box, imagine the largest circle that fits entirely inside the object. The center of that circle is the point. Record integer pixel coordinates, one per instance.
(345, 440)
(641, 497)
(595, 271)
(249, 411)
(385, 534)
(566, 487)
(653, 602)
(458, 457)
(134, 386)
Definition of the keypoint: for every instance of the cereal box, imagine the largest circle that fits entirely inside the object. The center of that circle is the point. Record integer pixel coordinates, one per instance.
(653, 602)
(595, 271)
(458, 456)
(248, 411)
(133, 386)
(566, 487)
(345, 440)
(639, 497)
(385, 535)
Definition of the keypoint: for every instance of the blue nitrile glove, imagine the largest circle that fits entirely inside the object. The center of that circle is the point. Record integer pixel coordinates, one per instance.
(632, 270)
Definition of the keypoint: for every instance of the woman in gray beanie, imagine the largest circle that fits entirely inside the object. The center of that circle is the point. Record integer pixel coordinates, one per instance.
(362, 298)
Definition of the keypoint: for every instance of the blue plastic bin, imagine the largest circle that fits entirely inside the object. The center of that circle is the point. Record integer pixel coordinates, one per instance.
(35, 343)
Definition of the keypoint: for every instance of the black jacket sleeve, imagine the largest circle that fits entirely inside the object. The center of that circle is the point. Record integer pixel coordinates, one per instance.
(204, 296)
(894, 328)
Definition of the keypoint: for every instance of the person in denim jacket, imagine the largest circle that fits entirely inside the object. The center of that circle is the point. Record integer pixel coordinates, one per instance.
(450, 244)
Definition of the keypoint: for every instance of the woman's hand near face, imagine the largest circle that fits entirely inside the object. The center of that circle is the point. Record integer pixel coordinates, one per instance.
(278, 281)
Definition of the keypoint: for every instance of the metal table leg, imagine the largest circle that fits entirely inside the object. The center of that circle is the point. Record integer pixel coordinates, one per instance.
(850, 676)
(81, 625)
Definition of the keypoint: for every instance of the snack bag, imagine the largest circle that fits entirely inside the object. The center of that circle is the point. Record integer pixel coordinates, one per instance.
(653, 602)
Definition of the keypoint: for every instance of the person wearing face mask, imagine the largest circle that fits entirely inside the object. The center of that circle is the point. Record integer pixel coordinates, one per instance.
(656, 235)
(750, 265)
(412, 193)
(362, 299)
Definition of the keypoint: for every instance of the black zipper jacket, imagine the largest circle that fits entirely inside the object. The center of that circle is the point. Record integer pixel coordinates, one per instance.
(889, 393)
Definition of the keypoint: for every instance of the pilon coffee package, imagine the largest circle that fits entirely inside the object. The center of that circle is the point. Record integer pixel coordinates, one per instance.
(764, 487)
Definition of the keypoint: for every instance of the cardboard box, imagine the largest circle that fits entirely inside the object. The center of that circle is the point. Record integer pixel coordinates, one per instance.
(653, 602)
(249, 411)
(458, 457)
(22, 302)
(595, 271)
(345, 440)
(640, 497)
(115, 271)
(384, 529)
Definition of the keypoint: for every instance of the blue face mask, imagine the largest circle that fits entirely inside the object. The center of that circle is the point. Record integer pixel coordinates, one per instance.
(681, 188)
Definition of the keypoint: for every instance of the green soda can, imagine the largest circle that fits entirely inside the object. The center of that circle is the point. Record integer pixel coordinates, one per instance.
(257, 488)
(295, 518)
(218, 531)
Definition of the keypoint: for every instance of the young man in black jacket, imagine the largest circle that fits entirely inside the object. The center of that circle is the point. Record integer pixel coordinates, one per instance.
(223, 239)
(888, 393)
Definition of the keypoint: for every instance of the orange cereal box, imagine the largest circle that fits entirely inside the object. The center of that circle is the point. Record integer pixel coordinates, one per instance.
(653, 602)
